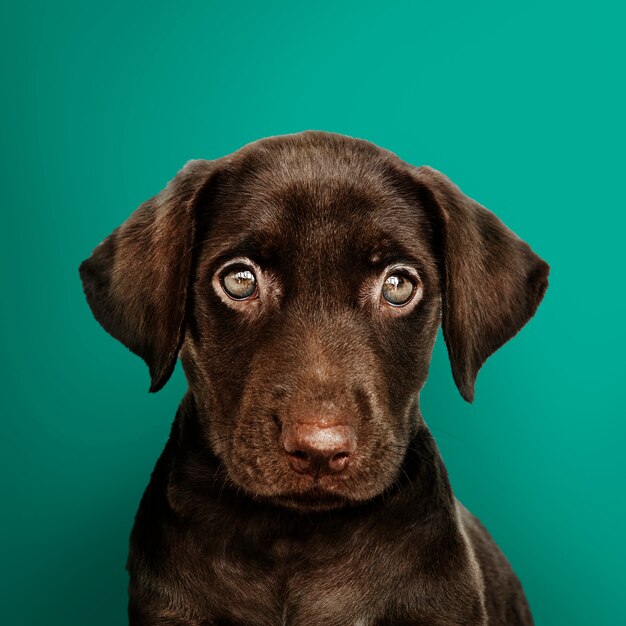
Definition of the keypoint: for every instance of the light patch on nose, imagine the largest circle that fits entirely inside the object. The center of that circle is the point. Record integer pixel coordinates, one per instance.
(320, 370)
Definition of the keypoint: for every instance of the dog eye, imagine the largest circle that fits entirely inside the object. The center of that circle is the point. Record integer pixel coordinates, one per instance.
(398, 289)
(239, 283)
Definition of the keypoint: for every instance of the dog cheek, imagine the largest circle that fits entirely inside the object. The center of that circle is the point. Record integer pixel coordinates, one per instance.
(386, 430)
(217, 373)
(239, 433)
(380, 463)
(406, 347)
(252, 460)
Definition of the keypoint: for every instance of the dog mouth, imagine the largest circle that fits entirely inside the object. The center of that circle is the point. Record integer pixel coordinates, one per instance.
(315, 498)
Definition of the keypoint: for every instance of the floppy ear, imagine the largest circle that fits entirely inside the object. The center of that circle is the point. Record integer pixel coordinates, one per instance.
(492, 282)
(137, 280)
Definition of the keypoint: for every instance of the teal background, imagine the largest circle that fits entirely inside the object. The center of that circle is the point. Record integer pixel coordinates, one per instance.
(521, 104)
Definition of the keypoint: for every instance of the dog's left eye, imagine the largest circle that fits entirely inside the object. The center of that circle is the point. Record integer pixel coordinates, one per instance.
(239, 283)
(398, 289)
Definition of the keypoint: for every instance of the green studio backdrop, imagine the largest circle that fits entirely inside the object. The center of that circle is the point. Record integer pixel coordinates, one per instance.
(521, 104)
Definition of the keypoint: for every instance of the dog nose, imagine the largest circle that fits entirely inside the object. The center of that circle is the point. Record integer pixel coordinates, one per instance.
(316, 449)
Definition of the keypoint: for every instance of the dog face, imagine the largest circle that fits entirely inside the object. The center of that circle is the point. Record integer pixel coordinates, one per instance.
(302, 281)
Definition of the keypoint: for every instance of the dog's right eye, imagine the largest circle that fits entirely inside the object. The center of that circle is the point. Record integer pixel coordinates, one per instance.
(239, 283)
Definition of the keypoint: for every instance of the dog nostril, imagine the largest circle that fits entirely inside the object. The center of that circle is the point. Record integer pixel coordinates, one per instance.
(339, 462)
(302, 463)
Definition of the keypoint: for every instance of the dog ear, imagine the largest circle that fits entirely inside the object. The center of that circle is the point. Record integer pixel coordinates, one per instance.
(137, 280)
(492, 282)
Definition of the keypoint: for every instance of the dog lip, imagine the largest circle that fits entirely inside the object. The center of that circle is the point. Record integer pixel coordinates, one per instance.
(315, 498)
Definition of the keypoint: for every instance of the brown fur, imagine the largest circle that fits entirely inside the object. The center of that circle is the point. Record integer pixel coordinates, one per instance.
(227, 532)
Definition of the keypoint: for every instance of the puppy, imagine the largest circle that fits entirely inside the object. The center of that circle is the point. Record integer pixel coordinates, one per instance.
(302, 281)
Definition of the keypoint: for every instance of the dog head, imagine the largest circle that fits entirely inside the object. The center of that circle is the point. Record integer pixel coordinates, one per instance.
(302, 281)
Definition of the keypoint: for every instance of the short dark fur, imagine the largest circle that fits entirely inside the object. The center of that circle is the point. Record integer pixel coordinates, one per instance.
(227, 532)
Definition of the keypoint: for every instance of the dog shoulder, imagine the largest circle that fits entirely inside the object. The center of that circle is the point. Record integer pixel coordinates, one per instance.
(504, 598)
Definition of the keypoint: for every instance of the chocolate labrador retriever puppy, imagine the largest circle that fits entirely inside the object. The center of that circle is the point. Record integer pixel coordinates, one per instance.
(302, 281)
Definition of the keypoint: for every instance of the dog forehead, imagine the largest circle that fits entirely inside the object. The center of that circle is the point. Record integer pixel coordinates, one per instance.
(317, 202)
